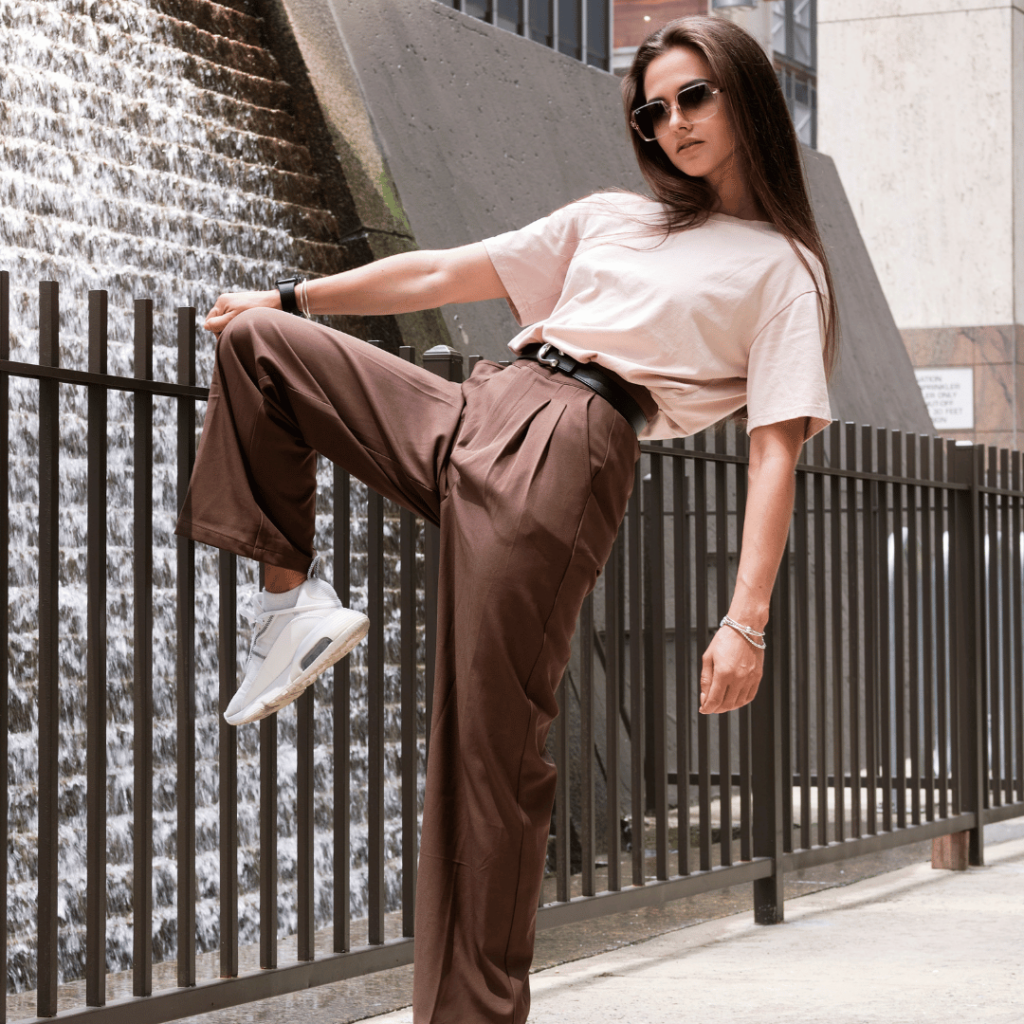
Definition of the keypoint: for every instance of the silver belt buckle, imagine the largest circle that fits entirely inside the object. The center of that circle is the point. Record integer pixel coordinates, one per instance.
(542, 356)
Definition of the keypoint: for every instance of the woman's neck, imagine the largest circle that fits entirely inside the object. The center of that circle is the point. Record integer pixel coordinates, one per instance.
(735, 199)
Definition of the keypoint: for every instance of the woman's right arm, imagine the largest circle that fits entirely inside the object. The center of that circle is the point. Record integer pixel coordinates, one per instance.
(404, 283)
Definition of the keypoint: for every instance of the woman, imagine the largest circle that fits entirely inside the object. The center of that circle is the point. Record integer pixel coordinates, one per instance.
(651, 317)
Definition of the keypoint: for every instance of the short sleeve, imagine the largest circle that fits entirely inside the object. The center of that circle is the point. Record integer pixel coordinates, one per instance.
(532, 262)
(786, 369)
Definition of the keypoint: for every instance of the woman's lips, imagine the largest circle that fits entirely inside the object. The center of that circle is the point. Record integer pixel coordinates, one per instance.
(689, 145)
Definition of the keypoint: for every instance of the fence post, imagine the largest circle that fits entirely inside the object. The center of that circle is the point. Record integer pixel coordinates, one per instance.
(766, 762)
(49, 632)
(5, 530)
(96, 671)
(186, 668)
(967, 592)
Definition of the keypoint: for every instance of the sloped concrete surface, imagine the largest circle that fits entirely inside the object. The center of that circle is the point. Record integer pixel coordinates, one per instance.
(915, 945)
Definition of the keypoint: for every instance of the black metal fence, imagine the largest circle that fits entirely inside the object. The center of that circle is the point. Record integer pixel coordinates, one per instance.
(892, 708)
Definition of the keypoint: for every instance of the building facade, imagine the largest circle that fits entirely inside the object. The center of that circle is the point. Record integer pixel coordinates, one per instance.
(921, 105)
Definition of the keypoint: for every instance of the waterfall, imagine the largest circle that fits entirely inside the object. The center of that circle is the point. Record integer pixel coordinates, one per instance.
(149, 150)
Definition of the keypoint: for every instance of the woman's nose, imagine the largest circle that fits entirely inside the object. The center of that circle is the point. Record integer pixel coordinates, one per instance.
(676, 119)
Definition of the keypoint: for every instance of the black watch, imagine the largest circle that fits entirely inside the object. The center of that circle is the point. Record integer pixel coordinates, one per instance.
(286, 289)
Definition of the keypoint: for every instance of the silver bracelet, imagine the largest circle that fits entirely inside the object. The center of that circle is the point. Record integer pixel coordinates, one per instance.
(304, 300)
(751, 635)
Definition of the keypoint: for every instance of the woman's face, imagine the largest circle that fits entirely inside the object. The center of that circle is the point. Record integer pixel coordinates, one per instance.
(702, 150)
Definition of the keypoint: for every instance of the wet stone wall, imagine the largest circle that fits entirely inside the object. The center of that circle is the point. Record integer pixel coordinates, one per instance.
(149, 148)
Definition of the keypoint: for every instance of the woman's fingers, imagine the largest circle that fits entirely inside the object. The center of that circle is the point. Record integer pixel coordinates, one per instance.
(730, 674)
(230, 304)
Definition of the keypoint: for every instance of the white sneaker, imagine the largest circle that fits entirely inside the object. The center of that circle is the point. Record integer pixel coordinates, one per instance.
(292, 646)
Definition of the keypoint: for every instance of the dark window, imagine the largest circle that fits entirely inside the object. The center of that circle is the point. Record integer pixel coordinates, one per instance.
(540, 21)
(598, 28)
(577, 28)
(569, 27)
(510, 15)
(794, 42)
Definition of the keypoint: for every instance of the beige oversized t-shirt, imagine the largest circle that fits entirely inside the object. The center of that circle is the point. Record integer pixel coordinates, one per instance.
(708, 320)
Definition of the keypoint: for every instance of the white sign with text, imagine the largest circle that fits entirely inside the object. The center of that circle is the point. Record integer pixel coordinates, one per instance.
(949, 394)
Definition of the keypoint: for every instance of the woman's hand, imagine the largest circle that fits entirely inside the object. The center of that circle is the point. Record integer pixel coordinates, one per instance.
(229, 305)
(730, 672)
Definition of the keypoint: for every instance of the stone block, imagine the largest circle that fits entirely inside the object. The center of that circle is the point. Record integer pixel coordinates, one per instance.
(950, 852)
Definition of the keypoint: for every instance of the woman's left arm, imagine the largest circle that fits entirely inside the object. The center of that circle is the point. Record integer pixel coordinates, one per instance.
(731, 668)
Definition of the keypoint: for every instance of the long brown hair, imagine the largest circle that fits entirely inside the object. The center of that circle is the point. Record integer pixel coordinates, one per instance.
(766, 142)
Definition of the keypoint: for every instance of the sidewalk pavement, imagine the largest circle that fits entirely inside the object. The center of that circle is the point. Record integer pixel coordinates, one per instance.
(914, 945)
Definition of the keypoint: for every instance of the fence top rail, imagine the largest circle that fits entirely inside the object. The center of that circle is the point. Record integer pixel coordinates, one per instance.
(812, 469)
(107, 380)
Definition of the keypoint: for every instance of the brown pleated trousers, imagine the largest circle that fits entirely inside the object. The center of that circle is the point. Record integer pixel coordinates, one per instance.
(527, 472)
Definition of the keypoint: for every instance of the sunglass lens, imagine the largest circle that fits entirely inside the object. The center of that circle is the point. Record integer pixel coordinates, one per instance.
(696, 102)
(651, 119)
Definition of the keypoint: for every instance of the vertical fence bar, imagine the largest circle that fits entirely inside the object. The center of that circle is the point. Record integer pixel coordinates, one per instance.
(785, 637)
(722, 601)
(746, 824)
(636, 679)
(654, 518)
(885, 638)
(613, 593)
(854, 486)
(408, 531)
(341, 739)
(683, 681)
(305, 939)
(1006, 629)
(990, 689)
(375, 715)
(802, 623)
(968, 593)
(268, 842)
(186, 672)
(587, 833)
(898, 683)
(820, 647)
(768, 770)
(142, 669)
(944, 502)
(49, 625)
(700, 526)
(914, 629)
(1016, 639)
(838, 646)
(872, 492)
(561, 812)
(5, 622)
(227, 642)
(96, 667)
(930, 553)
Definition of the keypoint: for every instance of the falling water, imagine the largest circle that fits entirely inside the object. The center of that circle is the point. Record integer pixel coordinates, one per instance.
(152, 157)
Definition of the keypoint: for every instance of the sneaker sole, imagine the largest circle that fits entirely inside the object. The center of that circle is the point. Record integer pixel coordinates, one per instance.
(324, 653)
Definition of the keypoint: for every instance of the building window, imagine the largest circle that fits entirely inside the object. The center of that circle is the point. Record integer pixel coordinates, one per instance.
(578, 28)
(795, 46)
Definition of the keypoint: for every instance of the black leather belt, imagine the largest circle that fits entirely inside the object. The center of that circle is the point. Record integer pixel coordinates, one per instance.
(595, 378)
